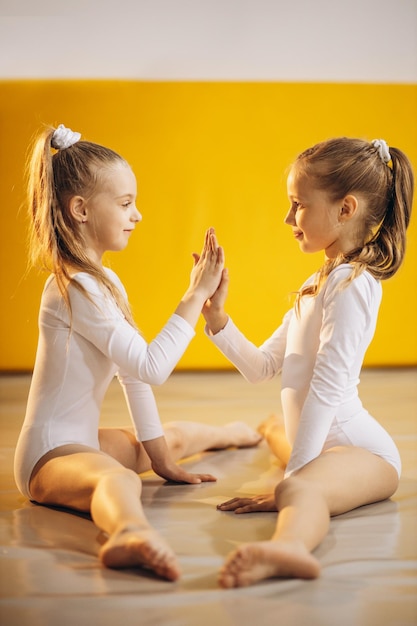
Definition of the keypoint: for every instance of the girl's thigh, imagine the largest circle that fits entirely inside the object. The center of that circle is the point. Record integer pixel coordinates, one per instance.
(121, 444)
(349, 477)
(68, 475)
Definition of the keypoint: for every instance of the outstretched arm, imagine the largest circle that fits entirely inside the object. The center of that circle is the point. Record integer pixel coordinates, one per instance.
(99, 319)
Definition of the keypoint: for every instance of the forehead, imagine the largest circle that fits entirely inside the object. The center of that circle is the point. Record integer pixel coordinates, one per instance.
(303, 188)
(297, 182)
(118, 179)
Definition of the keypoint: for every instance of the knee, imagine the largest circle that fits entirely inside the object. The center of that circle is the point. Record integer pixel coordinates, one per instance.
(113, 481)
(294, 487)
(117, 474)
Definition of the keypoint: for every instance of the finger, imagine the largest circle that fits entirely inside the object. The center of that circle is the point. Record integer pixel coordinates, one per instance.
(231, 501)
(196, 258)
(213, 242)
(250, 508)
(205, 244)
(187, 477)
(207, 478)
(220, 255)
(192, 479)
(198, 478)
(233, 504)
(209, 235)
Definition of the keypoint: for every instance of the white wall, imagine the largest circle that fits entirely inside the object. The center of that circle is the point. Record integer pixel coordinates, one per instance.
(278, 40)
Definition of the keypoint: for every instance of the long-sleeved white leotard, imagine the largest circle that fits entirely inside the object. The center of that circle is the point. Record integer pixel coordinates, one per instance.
(75, 361)
(319, 354)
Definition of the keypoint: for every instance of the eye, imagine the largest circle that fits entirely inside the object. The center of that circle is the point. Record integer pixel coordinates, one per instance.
(126, 204)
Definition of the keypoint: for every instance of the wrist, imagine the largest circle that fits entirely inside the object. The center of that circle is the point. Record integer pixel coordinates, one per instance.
(216, 321)
(190, 307)
(195, 295)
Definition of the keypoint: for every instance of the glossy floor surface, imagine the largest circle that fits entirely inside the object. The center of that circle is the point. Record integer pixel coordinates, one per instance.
(50, 573)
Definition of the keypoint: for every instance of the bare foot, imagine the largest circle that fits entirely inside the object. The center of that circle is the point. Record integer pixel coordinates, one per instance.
(140, 548)
(273, 431)
(272, 422)
(239, 435)
(253, 562)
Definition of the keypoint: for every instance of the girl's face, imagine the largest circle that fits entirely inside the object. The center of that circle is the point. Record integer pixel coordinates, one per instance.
(110, 215)
(314, 218)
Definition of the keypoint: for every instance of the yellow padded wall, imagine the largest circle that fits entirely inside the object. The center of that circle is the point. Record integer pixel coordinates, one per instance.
(205, 154)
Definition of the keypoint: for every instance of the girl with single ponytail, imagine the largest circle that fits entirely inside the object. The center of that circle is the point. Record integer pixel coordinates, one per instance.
(82, 202)
(351, 199)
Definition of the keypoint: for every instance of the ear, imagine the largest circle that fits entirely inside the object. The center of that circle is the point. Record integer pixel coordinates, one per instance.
(349, 207)
(78, 209)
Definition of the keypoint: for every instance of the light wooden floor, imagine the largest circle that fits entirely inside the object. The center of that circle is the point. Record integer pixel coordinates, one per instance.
(50, 573)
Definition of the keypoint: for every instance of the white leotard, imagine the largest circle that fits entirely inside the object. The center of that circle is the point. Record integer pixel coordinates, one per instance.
(319, 354)
(75, 362)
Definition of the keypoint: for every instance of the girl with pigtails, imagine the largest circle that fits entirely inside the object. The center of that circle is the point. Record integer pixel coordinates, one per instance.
(351, 199)
(82, 201)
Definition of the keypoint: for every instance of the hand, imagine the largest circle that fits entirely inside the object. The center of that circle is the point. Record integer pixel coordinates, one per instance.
(177, 474)
(250, 505)
(161, 463)
(208, 267)
(213, 309)
(205, 278)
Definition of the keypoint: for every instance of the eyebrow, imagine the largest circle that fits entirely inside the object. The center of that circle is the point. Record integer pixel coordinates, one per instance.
(125, 195)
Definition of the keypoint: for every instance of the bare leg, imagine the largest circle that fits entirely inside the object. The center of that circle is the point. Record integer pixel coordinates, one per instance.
(330, 485)
(273, 430)
(188, 438)
(183, 440)
(87, 480)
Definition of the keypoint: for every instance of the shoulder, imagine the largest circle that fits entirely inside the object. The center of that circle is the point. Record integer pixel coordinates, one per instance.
(85, 280)
(364, 286)
(113, 276)
(92, 285)
(50, 294)
(343, 272)
(50, 285)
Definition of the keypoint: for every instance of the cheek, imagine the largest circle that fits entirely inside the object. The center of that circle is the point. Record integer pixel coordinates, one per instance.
(301, 220)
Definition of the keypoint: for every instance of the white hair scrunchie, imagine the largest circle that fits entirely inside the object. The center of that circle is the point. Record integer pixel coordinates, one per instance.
(383, 150)
(64, 138)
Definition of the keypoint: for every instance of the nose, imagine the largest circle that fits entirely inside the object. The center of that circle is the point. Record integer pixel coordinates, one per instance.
(136, 217)
(290, 217)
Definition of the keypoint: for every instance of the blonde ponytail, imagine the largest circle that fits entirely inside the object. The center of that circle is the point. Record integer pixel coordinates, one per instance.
(56, 241)
(343, 166)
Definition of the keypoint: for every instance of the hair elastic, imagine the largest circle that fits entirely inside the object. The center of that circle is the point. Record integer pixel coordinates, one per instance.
(383, 150)
(64, 138)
